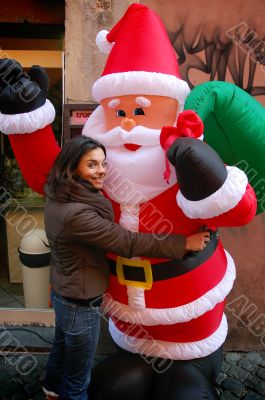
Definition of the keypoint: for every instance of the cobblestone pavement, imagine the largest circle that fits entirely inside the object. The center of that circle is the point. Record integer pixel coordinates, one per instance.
(242, 377)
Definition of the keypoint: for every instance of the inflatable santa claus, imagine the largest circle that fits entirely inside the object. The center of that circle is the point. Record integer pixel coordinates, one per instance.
(166, 317)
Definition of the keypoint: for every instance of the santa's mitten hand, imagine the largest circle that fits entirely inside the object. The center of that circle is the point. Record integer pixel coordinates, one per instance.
(200, 171)
(23, 98)
(207, 187)
(21, 92)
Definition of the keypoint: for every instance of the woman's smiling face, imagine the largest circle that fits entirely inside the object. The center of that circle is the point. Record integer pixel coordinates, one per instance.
(92, 167)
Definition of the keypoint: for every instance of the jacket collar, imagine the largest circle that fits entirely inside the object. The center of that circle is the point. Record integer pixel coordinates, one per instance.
(74, 190)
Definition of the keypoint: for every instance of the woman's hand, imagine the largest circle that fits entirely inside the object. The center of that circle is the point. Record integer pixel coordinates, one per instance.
(197, 241)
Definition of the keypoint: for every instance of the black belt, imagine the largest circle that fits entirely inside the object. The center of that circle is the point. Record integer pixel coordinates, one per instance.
(172, 268)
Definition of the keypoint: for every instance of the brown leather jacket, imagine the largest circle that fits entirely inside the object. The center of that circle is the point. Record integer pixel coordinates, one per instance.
(80, 229)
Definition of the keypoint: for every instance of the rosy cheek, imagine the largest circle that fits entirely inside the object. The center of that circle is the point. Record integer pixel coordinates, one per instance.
(151, 120)
(112, 123)
(110, 119)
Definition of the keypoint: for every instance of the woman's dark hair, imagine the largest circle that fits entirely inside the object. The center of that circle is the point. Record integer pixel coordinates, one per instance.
(67, 161)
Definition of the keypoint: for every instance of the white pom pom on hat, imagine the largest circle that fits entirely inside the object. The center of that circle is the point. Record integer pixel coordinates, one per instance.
(102, 42)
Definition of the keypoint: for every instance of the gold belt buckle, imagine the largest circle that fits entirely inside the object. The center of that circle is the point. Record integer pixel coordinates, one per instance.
(145, 264)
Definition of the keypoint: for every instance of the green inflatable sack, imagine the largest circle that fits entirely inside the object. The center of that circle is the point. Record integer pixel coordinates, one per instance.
(234, 125)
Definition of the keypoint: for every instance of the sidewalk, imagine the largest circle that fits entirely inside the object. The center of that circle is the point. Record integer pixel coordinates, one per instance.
(21, 376)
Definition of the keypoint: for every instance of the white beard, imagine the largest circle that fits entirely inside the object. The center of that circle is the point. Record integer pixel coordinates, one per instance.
(133, 176)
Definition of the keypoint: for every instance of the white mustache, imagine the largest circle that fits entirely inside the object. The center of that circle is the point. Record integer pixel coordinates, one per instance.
(139, 135)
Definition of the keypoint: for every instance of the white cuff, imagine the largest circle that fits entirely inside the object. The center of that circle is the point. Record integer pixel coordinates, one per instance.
(27, 122)
(223, 200)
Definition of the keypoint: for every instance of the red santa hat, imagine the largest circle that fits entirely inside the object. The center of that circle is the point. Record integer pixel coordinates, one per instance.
(141, 58)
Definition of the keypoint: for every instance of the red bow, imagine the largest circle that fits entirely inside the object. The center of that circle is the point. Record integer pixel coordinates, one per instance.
(188, 124)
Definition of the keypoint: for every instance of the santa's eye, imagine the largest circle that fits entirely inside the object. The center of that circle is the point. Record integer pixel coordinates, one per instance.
(120, 113)
(138, 111)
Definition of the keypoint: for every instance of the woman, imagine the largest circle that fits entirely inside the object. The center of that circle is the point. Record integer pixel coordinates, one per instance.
(80, 229)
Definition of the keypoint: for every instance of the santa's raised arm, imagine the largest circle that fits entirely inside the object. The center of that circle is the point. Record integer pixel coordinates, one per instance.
(25, 116)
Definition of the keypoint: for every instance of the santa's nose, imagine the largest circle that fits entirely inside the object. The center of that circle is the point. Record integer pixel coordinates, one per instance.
(128, 124)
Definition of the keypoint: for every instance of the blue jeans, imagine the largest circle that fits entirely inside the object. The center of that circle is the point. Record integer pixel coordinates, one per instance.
(72, 355)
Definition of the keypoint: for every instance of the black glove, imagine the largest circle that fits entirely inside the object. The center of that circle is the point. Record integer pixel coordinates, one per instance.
(199, 169)
(21, 92)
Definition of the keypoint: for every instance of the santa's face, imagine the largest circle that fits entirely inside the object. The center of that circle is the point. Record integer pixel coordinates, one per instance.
(130, 129)
(130, 111)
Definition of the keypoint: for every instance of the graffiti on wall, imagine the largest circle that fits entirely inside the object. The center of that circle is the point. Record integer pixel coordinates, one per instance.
(218, 41)
(241, 58)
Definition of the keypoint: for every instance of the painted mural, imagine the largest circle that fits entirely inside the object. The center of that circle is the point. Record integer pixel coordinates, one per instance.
(218, 41)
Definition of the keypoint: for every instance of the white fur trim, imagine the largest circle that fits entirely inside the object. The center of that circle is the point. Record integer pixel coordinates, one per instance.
(140, 82)
(102, 42)
(223, 200)
(136, 298)
(168, 316)
(169, 350)
(129, 218)
(28, 122)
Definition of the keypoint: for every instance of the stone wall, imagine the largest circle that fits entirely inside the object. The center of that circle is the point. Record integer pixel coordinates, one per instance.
(83, 61)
